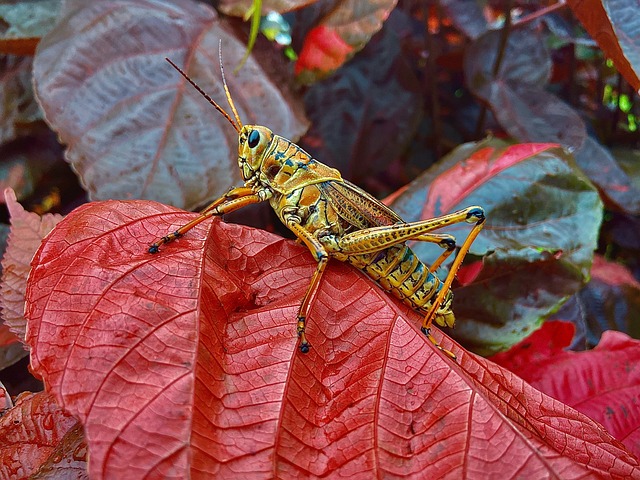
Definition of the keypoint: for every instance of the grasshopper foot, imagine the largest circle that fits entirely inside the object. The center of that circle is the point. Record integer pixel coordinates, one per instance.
(304, 345)
(427, 332)
(155, 247)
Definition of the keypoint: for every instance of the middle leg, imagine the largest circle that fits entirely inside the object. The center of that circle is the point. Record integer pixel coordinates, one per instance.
(321, 256)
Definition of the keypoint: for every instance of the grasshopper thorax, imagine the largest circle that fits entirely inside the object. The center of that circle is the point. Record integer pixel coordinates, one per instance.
(253, 146)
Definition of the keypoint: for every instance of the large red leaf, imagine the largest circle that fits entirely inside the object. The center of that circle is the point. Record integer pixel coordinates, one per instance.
(603, 383)
(133, 126)
(186, 363)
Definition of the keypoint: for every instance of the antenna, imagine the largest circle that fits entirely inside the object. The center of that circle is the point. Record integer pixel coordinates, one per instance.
(211, 100)
(226, 89)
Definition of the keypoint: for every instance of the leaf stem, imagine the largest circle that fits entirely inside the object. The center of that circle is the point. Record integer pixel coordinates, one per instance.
(255, 12)
(431, 78)
(502, 47)
(540, 13)
(504, 37)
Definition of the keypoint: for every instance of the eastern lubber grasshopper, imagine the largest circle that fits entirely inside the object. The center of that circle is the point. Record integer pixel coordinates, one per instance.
(335, 218)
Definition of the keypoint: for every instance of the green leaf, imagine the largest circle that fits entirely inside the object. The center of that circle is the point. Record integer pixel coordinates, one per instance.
(543, 217)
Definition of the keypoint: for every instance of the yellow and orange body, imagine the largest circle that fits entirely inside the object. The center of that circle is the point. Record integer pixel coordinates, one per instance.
(329, 208)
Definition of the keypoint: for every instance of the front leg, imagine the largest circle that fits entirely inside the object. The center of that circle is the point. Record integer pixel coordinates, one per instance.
(322, 257)
(233, 200)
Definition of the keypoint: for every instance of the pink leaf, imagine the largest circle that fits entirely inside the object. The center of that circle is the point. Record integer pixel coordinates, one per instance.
(27, 231)
(341, 33)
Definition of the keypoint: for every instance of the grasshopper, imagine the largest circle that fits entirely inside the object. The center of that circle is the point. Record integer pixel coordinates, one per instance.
(336, 219)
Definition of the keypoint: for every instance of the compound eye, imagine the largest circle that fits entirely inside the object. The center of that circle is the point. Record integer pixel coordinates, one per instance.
(254, 138)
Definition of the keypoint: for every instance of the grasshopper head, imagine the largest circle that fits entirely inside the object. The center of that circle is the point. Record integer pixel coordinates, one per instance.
(253, 143)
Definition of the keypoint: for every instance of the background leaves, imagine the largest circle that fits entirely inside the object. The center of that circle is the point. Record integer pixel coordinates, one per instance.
(368, 122)
(134, 128)
(28, 230)
(340, 32)
(610, 301)
(531, 114)
(614, 27)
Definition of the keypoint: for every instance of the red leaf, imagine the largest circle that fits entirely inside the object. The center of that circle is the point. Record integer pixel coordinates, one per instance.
(468, 273)
(7, 338)
(462, 178)
(186, 363)
(39, 438)
(603, 383)
(27, 231)
(323, 51)
(547, 343)
(612, 274)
